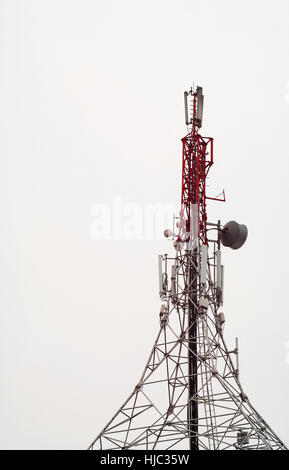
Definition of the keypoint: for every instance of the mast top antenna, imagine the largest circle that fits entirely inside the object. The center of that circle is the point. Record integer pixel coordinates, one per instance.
(194, 103)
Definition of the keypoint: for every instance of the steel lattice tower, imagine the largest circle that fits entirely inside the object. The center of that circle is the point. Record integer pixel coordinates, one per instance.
(189, 395)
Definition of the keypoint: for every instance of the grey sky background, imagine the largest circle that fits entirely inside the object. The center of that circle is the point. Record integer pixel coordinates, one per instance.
(92, 108)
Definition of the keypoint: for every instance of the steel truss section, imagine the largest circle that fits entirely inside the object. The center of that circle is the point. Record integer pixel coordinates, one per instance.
(155, 415)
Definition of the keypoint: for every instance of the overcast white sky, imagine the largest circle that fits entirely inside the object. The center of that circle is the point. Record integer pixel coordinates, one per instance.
(92, 108)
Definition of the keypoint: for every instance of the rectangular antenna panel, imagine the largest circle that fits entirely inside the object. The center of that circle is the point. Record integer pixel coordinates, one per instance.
(173, 279)
(186, 108)
(219, 270)
(160, 274)
(204, 260)
(200, 101)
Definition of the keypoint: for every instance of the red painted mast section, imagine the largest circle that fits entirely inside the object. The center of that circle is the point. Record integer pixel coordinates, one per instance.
(197, 160)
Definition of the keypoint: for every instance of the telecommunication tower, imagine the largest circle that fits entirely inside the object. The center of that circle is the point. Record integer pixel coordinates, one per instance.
(189, 395)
